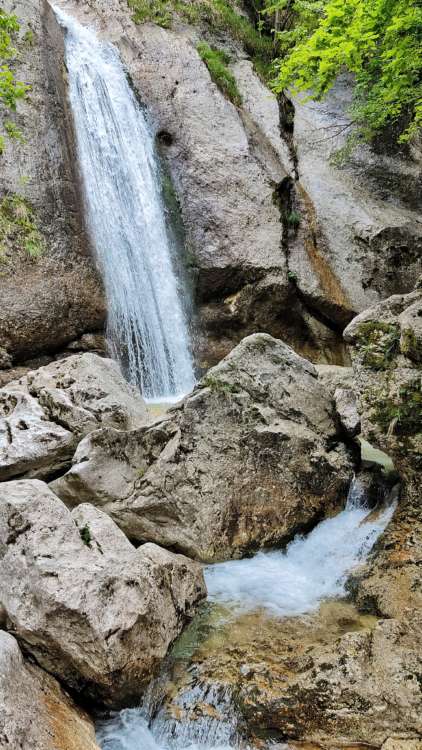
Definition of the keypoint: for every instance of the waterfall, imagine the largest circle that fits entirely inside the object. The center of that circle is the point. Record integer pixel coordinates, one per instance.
(147, 326)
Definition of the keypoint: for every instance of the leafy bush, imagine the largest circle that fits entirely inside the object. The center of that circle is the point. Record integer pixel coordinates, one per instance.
(216, 62)
(379, 41)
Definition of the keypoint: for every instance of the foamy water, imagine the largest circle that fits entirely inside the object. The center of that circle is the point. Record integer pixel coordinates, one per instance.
(147, 325)
(312, 568)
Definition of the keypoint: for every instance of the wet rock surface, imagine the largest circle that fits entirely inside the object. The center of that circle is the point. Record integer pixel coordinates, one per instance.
(51, 299)
(35, 712)
(251, 457)
(334, 677)
(90, 608)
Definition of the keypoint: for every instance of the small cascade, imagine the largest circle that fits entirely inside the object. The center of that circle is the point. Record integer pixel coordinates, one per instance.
(202, 715)
(147, 326)
(311, 569)
(184, 729)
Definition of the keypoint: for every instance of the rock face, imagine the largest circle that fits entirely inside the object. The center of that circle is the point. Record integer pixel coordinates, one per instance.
(339, 382)
(360, 233)
(247, 460)
(387, 346)
(35, 713)
(45, 414)
(91, 609)
(296, 258)
(229, 167)
(335, 678)
(387, 342)
(256, 267)
(360, 689)
(49, 300)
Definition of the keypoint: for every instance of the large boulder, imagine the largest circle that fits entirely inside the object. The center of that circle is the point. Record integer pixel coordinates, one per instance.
(35, 713)
(249, 459)
(93, 610)
(45, 414)
(51, 299)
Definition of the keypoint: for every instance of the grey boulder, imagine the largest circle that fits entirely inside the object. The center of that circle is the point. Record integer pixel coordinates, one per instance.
(44, 415)
(249, 459)
(93, 610)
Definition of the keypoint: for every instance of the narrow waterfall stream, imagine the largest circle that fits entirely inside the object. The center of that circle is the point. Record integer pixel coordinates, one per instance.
(274, 590)
(147, 326)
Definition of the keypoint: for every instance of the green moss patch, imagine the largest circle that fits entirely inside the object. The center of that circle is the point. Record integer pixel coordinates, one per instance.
(378, 343)
(18, 228)
(155, 11)
(401, 415)
(219, 15)
(216, 62)
(219, 386)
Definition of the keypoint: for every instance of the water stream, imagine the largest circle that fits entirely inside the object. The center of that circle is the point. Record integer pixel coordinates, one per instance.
(148, 330)
(271, 590)
(147, 325)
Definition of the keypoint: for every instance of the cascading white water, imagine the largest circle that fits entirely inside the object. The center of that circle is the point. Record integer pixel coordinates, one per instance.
(147, 325)
(294, 582)
(311, 569)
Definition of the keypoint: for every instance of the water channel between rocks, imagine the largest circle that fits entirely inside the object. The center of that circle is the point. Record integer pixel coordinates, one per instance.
(261, 617)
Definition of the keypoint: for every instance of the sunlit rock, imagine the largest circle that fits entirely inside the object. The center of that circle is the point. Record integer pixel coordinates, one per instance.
(45, 414)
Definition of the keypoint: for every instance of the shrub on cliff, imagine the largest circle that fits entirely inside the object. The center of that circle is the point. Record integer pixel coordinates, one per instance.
(11, 90)
(378, 41)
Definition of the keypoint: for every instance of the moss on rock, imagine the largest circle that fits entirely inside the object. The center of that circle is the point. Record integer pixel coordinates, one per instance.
(18, 228)
(378, 343)
(401, 414)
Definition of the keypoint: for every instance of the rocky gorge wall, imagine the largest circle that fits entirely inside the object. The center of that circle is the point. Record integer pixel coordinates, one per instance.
(51, 299)
(92, 482)
(278, 238)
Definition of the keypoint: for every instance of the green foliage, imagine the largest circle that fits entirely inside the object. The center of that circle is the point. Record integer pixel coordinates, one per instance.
(293, 219)
(29, 38)
(378, 343)
(156, 11)
(18, 228)
(85, 535)
(401, 415)
(379, 41)
(11, 90)
(216, 62)
(219, 386)
(220, 15)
